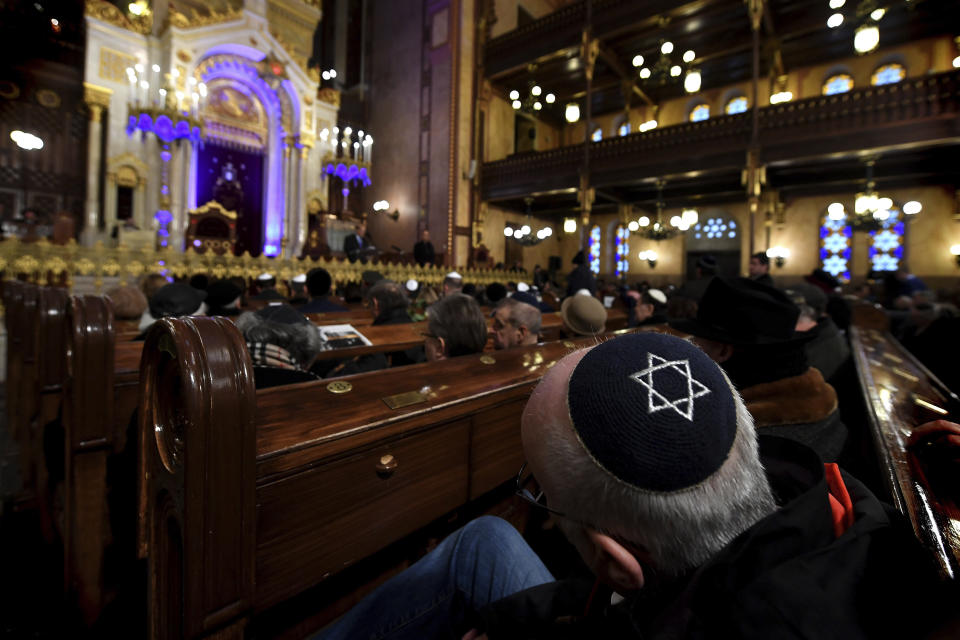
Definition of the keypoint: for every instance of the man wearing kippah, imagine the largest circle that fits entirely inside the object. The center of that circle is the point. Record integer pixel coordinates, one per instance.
(691, 526)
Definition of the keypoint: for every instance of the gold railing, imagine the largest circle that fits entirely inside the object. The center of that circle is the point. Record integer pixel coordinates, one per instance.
(44, 263)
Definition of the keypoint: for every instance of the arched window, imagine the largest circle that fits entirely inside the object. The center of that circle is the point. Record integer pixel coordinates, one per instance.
(736, 105)
(597, 134)
(593, 249)
(836, 239)
(839, 83)
(886, 245)
(888, 74)
(700, 112)
(622, 251)
(624, 129)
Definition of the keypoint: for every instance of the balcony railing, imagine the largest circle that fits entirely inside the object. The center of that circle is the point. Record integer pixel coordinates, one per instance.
(913, 111)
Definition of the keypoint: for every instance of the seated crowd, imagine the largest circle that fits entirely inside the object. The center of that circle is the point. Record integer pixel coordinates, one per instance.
(703, 479)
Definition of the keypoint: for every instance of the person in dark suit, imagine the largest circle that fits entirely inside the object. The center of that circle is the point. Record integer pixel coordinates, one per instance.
(760, 269)
(356, 242)
(423, 251)
(318, 286)
(581, 277)
(267, 285)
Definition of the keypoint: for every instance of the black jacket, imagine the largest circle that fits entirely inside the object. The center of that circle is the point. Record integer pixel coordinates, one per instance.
(788, 576)
(322, 305)
(352, 246)
(423, 253)
(581, 278)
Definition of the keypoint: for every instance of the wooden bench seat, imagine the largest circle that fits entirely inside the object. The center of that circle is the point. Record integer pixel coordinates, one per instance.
(900, 393)
(256, 496)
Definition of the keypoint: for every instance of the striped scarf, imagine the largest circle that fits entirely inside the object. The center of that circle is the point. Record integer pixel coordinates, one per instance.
(265, 354)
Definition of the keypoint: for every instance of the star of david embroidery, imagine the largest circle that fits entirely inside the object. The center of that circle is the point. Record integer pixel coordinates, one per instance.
(656, 401)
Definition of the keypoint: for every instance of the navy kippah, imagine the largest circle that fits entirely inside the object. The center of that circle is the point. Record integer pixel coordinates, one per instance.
(653, 410)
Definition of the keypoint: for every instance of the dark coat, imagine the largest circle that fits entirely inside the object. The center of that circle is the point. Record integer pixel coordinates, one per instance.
(322, 305)
(268, 294)
(788, 576)
(423, 253)
(828, 351)
(764, 279)
(352, 246)
(581, 278)
(694, 289)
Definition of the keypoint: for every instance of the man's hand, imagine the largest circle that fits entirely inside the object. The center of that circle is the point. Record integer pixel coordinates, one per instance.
(937, 442)
(473, 634)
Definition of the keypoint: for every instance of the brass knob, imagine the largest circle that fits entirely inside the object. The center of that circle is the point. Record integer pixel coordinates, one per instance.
(387, 466)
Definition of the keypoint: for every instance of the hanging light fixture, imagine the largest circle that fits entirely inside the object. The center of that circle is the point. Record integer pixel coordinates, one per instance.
(524, 234)
(665, 69)
(657, 229)
(572, 112)
(866, 15)
(534, 100)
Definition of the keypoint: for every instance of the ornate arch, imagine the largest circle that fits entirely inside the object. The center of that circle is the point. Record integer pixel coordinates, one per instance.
(275, 94)
(127, 170)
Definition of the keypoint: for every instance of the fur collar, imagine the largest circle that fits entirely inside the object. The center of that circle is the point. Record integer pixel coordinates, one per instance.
(796, 400)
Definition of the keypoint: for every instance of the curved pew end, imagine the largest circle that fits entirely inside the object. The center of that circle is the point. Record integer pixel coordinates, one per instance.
(87, 412)
(197, 411)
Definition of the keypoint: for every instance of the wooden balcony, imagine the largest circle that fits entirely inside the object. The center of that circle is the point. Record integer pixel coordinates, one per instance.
(919, 113)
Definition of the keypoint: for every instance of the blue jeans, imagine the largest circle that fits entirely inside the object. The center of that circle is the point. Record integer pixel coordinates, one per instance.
(435, 598)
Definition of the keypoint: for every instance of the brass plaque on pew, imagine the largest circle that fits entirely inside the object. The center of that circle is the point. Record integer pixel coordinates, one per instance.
(406, 399)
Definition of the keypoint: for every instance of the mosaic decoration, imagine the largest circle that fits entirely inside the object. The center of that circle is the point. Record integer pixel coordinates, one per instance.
(836, 239)
(593, 249)
(886, 246)
(888, 74)
(622, 251)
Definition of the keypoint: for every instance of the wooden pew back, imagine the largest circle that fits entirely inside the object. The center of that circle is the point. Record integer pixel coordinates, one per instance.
(255, 497)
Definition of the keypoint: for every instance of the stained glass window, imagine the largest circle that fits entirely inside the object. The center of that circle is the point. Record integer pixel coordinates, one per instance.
(597, 135)
(715, 228)
(886, 245)
(840, 83)
(888, 74)
(624, 129)
(622, 251)
(836, 239)
(593, 249)
(700, 112)
(736, 105)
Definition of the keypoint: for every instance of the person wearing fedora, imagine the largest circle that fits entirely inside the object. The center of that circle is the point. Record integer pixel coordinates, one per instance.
(688, 524)
(749, 329)
(583, 315)
(706, 270)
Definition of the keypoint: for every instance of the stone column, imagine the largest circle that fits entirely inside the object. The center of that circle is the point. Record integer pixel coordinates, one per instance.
(290, 159)
(140, 204)
(110, 203)
(300, 212)
(97, 99)
(176, 186)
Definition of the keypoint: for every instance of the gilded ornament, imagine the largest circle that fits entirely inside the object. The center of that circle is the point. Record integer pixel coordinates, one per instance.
(488, 360)
(330, 96)
(9, 90)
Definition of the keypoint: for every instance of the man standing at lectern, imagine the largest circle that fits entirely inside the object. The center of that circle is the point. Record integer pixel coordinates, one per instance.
(355, 243)
(423, 251)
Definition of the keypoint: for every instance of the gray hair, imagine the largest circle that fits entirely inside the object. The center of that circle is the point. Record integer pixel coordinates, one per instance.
(302, 341)
(682, 529)
(522, 314)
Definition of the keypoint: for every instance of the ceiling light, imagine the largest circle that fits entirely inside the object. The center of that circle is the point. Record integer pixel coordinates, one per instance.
(666, 48)
(955, 250)
(644, 73)
(648, 125)
(956, 62)
(835, 20)
(26, 141)
(508, 232)
(551, 98)
(572, 112)
(347, 131)
(675, 70)
(536, 90)
(644, 221)
(137, 8)
(569, 225)
(689, 216)
(638, 60)
(156, 68)
(912, 208)
(537, 106)
(877, 14)
(691, 83)
(514, 95)
(517, 233)
(836, 4)
(866, 39)
(835, 211)
(782, 96)
(633, 226)
(688, 56)
(516, 104)
(885, 203)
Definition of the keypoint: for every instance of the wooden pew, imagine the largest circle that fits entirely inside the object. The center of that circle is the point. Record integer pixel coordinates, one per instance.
(900, 393)
(255, 496)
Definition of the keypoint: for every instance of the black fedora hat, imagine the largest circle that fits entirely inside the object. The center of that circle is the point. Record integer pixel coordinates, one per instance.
(741, 311)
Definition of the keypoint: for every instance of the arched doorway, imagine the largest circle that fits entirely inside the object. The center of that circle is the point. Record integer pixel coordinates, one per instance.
(716, 233)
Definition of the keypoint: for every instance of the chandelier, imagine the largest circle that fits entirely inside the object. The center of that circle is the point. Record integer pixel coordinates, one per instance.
(523, 234)
(657, 229)
(347, 157)
(870, 210)
(533, 100)
(665, 69)
(168, 107)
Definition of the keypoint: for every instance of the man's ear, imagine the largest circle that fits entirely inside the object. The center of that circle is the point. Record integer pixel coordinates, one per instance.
(725, 353)
(614, 564)
(443, 349)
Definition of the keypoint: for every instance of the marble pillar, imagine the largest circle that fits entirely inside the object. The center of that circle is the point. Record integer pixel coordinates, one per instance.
(92, 208)
(176, 185)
